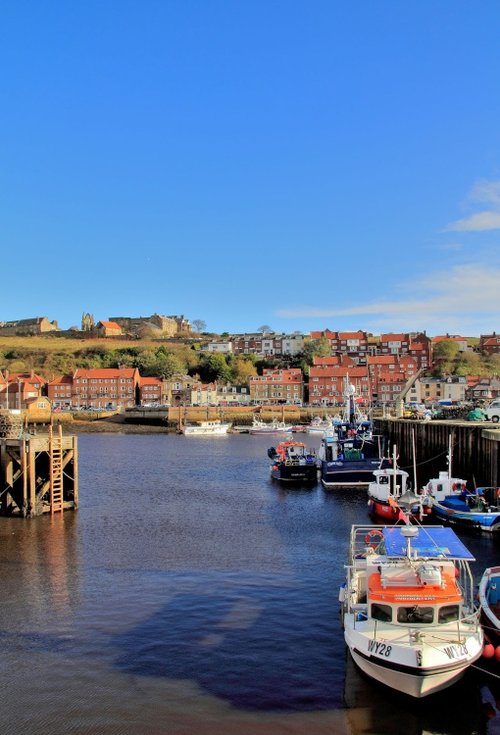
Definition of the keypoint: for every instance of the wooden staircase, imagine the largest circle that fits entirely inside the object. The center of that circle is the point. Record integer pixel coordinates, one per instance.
(56, 471)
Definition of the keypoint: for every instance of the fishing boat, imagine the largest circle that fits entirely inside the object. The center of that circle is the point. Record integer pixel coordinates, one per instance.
(489, 601)
(319, 425)
(211, 428)
(452, 502)
(275, 427)
(390, 499)
(348, 459)
(350, 451)
(293, 462)
(408, 608)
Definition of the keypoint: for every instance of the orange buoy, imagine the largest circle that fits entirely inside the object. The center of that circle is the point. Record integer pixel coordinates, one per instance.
(489, 650)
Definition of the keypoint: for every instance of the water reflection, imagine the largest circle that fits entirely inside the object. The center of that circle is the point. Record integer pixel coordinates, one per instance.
(192, 594)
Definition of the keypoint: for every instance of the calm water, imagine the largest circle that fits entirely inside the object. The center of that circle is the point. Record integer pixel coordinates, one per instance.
(191, 594)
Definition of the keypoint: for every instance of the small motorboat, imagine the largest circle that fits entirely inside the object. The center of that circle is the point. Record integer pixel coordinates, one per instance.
(274, 427)
(410, 617)
(389, 498)
(206, 428)
(319, 425)
(452, 502)
(293, 462)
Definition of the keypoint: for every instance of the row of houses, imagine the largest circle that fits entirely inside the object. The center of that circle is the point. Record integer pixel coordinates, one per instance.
(359, 346)
(356, 344)
(384, 381)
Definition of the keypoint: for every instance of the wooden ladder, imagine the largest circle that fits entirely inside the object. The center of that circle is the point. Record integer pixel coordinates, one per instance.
(56, 471)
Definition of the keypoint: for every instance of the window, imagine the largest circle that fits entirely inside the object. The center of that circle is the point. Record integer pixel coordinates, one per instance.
(381, 612)
(415, 614)
(448, 613)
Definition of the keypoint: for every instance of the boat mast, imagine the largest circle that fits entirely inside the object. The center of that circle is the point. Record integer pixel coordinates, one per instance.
(449, 462)
(414, 460)
(394, 471)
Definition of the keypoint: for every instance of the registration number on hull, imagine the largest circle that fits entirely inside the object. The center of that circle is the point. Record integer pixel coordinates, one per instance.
(380, 648)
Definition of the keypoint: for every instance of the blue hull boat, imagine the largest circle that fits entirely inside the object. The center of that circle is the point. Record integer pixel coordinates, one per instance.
(478, 511)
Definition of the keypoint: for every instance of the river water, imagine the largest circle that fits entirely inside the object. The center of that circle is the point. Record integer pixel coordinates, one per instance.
(191, 594)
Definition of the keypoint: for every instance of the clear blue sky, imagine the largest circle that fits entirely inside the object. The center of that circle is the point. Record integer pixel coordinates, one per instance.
(304, 165)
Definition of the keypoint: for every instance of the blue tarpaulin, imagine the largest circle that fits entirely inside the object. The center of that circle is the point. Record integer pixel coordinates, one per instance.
(429, 541)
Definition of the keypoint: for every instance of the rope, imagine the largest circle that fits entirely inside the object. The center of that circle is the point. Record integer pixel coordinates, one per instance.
(485, 671)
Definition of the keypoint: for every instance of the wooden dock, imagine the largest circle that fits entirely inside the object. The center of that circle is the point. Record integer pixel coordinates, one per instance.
(475, 448)
(38, 472)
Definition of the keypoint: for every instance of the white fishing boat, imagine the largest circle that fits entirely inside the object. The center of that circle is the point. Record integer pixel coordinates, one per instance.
(206, 427)
(320, 426)
(274, 427)
(389, 496)
(409, 612)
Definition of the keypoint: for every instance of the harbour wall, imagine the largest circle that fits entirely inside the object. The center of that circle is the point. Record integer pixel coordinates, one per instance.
(475, 449)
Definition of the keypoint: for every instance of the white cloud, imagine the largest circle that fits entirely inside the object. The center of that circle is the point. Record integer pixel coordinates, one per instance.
(484, 192)
(476, 223)
(466, 296)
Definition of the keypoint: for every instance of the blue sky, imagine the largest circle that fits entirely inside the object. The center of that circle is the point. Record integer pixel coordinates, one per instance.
(301, 165)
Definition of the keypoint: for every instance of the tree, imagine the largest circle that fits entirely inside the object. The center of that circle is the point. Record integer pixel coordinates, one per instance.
(444, 357)
(470, 363)
(241, 370)
(265, 329)
(199, 325)
(213, 366)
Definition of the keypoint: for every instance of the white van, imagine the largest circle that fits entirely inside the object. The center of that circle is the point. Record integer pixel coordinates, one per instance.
(492, 412)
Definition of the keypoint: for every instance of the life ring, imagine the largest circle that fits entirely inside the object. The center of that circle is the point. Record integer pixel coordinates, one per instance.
(373, 538)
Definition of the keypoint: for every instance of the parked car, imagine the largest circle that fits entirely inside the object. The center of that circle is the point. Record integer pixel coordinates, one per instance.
(492, 412)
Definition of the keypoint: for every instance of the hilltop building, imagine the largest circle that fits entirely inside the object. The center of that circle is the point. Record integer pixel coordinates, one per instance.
(165, 326)
(28, 327)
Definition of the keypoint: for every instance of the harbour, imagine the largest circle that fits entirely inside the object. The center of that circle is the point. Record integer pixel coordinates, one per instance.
(192, 594)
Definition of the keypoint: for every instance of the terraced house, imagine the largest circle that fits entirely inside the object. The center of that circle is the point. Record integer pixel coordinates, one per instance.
(277, 386)
(96, 388)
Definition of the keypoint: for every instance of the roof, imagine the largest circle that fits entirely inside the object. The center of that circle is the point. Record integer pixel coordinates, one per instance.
(394, 337)
(105, 373)
(61, 379)
(110, 325)
(429, 542)
(150, 381)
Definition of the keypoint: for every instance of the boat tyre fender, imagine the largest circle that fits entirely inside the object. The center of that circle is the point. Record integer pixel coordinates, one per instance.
(373, 538)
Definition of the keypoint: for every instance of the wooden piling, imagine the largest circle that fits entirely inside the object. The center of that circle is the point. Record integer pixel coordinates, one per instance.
(38, 473)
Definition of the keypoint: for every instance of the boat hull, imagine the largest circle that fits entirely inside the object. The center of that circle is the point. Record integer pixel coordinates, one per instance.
(410, 680)
(391, 514)
(212, 430)
(455, 515)
(294, 473)
(348, 474)
(489, 601)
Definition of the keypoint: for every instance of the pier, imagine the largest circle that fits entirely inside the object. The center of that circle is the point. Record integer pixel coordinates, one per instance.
(475, 449)
(38, 472)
